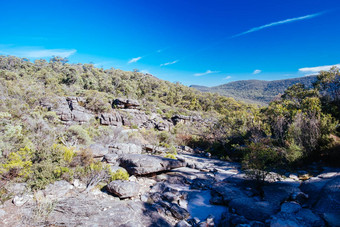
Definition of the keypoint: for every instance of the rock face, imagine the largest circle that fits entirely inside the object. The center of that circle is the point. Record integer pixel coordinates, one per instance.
(139, 164)
(125, 112)
(70, 110)
(184, 119)
(112, 118)
(125, 104)
(123, 189)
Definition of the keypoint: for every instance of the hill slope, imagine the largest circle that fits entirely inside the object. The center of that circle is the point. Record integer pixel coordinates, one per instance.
(256, 91)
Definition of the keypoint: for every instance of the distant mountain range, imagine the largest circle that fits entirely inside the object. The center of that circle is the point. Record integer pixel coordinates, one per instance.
(256, 91)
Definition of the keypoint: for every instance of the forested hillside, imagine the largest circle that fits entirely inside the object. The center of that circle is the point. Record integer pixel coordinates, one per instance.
(52, 112)
(256, 91)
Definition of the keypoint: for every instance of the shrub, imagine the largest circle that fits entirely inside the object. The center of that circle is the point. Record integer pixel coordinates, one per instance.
(260, 159)
(119, 175)
(19, 161)
(76, 134)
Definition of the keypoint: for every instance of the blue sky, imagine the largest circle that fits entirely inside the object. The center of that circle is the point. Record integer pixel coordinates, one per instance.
(193, 41)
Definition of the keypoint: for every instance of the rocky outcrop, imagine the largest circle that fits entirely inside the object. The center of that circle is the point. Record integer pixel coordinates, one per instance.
(184, 119)
(125, 112)
(123, 189)
(139, 164)
(70, 110)
(113, 118)
(125, 104)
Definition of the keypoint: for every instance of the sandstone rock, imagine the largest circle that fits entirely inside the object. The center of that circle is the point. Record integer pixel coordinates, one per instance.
(183, 223)
(329, 197)
(227, 191)
(123, 189)
(69, 110)
(78, 184)
(88, 210)
(290, 207)
(278, 192)
(313, 187)
(126, 103)
(251, 209)
(138, 164)
(303, 217)
(202, 184)
(179, 212)
(98, 150)
(111, 158)
(236, 220)
(58, 190)
(112, 118)
(332, 219)
(20, 200)
(281, 222)
(16, 188)
(163, 126)
(125, 148)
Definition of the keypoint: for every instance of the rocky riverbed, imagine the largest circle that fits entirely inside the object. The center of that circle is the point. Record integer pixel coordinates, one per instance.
(193, 190)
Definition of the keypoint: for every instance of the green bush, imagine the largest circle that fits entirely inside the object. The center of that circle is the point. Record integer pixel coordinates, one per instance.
(19, 161)
(260, 159)
(119, 175)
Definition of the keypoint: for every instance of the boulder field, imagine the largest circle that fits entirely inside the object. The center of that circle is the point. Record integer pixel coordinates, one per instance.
(193, 190)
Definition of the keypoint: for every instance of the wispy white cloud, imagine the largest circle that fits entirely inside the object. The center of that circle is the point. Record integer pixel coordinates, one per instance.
(206, 73)
(317, 68)
(170, 63)
(227, 78)
(134, 60)
(310, 16)
(35, 52)
(257, 71)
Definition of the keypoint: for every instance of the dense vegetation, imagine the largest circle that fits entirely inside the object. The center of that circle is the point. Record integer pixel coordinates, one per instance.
(257, 91)
(37, 148)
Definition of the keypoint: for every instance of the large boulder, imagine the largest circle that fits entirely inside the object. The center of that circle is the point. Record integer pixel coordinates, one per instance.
(139, 164)
(313, 188)
(329, 198)
(278, 192)
(98, 150)
(123, 189)
(252, 209)
(226, 192)
(303, 217)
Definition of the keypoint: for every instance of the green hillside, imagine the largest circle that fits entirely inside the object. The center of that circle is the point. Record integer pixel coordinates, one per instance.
(256, 91)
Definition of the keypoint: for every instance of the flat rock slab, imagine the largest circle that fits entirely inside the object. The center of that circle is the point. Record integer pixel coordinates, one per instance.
(140, 164)
(85, 211)
(123, 189)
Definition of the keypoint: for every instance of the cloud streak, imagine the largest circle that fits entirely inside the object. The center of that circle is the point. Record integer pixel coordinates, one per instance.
(257, 71)
(134, 60)
(306, 17)
(169, 63)
(206, 73)
(35, 52)
(317, 68)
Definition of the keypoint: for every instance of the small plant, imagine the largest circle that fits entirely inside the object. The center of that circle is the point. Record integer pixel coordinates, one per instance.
(119, 175)
(172, 156)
